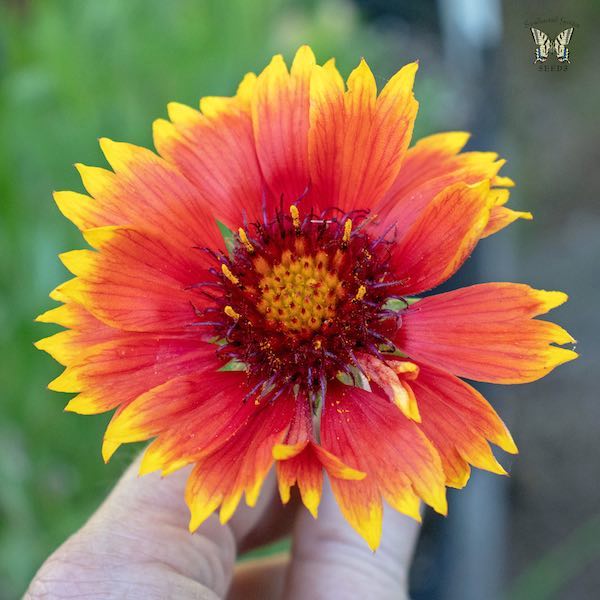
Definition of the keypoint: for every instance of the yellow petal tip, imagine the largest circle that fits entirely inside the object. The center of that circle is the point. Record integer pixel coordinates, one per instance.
(105, 143)
(109, 447)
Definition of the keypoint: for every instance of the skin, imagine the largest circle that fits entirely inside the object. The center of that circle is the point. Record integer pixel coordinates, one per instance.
(137, 545)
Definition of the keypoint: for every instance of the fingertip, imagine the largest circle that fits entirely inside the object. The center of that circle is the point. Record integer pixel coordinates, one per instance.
(331, 560)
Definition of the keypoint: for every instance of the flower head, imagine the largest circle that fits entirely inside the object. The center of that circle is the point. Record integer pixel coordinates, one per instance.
(249, 298)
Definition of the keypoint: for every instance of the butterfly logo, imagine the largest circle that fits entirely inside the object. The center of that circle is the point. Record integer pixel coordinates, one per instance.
(545, 47)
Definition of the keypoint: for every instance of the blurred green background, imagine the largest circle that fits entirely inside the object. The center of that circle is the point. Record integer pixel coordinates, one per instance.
(73, 71)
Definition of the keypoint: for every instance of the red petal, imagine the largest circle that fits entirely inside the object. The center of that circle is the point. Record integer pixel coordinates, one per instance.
(458, 421)
(85, 333)
(216, 151)
(357, 141)
(280, 116)
(118, 371)
(300, 460)
(442, 238)
(486, 332)
(432, 165)
(372, 435)
(306, 469)
(211, 401)
(385, 378)
(137, 282)
(241, 464)
(145, 191)
(502, 217)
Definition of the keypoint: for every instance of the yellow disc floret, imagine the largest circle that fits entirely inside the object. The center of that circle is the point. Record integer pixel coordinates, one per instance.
(300, 293)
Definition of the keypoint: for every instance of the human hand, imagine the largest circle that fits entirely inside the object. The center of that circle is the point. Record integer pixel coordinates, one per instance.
(137, 545)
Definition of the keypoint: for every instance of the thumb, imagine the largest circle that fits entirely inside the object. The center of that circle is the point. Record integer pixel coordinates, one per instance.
(330, 560)
(138, 545)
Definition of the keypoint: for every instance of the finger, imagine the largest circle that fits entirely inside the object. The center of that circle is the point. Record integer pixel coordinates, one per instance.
(138, 542)
(251, 527)
(163, 498)
(260, 579)
(276, 521)
(330, 560)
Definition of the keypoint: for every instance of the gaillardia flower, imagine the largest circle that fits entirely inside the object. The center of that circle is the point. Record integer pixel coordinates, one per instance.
(249, 298)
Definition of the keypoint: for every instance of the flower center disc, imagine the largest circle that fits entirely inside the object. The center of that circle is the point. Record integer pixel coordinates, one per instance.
(297, 298)
(300, 293)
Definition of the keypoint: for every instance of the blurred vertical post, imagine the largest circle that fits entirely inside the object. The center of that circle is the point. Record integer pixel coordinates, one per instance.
(475, 544)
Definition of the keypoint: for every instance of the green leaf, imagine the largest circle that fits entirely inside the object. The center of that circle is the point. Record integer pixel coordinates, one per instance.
(354, 379)
(228, 237)
(397, 304)
(234, 365)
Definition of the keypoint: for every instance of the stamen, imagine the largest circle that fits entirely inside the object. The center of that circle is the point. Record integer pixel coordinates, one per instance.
(203, 284)
(362, 290)
(244, 239)
(227, 272)
(230, 312)
(252, 391)
(295, 216)
(369, 218)
(385, 284)
(347, 231)
(383, 236)
(383, 340)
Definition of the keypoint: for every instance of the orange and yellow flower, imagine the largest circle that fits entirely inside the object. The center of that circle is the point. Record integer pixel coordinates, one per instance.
(245, 301)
